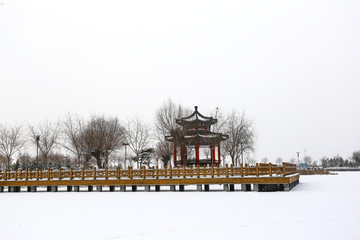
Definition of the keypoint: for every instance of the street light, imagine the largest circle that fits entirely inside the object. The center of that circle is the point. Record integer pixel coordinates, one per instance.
(37, 150)
(125, 144)
(298, 156)
(88, 153)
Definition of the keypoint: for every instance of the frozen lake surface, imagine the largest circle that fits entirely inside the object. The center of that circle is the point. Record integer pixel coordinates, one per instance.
(320, 207)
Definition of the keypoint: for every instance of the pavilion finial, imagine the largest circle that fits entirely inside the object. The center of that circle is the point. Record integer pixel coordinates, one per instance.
(196, 107)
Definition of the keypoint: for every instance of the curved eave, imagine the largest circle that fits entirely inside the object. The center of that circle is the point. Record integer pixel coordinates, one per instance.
(184, 122)
(169, 138)
(208, 137)
(196, 116)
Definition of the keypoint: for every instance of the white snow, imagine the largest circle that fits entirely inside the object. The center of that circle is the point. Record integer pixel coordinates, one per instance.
(320, 207)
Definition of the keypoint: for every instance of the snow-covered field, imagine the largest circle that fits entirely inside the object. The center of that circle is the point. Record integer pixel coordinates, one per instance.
(320, 207)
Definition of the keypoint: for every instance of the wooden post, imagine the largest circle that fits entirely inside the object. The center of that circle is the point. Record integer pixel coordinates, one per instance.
(191, 171)
(227, 170)
(118, 173)
(242, 170)
(270, 169)
(170, 172)
(204, 171)
(257, 169)
(20, 174)
(16, 175)
(106, 173)
(60, 172)
(130, 172)
(246, 170)
(232, 170)
(83, 174)
(157, 172)
(212, 171)
(198, 171)
(37, 174)
(94, 173)
(27, 174)
(49, 174)
(218, 170)
(184, 172)
(144, 172)
(284, 170)
(71, 173)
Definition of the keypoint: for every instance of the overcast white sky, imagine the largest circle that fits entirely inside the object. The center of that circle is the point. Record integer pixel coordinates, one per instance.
(293, 66)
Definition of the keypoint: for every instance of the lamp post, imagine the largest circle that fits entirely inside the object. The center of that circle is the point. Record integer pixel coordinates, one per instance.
(37, 150)
(87, 159)
(125, 144)
(298, 156)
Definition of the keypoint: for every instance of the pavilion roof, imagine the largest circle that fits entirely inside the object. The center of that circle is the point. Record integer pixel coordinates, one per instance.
(203, 136)
(196, 117)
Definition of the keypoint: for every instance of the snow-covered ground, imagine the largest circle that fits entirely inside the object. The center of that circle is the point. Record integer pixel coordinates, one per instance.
(320, 207)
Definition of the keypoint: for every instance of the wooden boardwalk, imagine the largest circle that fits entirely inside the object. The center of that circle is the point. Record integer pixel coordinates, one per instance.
(262, 177)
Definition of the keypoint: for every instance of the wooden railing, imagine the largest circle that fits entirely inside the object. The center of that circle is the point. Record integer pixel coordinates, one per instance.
(154, 172)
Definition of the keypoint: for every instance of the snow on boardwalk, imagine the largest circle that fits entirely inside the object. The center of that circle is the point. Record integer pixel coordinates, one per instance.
(320, 207)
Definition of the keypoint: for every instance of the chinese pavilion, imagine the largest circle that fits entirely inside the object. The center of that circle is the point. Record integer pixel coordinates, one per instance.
(195, 135)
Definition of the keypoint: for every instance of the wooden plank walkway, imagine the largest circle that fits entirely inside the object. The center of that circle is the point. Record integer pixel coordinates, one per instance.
(284, 177)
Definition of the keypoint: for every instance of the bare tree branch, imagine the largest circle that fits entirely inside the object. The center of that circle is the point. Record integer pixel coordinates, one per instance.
(137, 136)
(49, 133)
(165, 124)
(74, 136)
(11, 141)
(241, 136)
(105, 135)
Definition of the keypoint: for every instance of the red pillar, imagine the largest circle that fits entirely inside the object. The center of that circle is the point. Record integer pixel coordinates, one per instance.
(197, 153)
(213, 152)
(219, 154)
(181, 155)
(174, 154)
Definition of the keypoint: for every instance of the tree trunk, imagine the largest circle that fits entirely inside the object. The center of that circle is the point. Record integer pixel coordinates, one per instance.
(137, 160)
(8, 160)
(233, 159)
(98, 162)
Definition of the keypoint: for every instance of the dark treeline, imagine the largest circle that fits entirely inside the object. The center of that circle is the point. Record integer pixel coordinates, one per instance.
(100, 141)
(338, 161)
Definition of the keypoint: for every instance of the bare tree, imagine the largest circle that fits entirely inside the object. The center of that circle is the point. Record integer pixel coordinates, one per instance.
(165, 124)
(11, 141)
(265, 160)
(137, 136)
(251, 161)
(279, 161)
(74, 136)
(219, 127)
(241, 136)
(307, 160)
(49, 133)
(105, 135)
(356, 157)
(163, 151)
